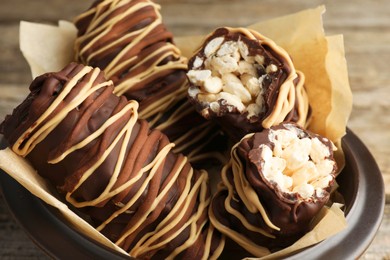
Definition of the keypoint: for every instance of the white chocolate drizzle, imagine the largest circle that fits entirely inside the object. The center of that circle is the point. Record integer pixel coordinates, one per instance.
(251, 201)
(87, 48)
(195, 190)
(305, 159)
(239, 85)
(98, 31)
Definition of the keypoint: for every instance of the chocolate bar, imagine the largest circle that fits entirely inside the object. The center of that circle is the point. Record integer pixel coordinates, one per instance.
(112, 167)
(129, 41)
(245, 82)
(275, 183)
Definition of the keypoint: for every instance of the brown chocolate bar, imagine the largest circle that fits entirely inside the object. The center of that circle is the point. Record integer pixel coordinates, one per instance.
(109, 165)
(129, 41)
(274, 185)
(245, 82)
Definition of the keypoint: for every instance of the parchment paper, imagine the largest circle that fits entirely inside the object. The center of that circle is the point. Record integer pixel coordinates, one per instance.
(47, 48)
(320, 57)
(23, 172)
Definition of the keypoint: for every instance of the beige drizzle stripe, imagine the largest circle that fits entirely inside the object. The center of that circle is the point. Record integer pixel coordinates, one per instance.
(251, 247)
(234, 212)
(135, 42)
(127, 129)
(100, 15)
(163, 104)
(196, 153)
(125, 85)
(94, 22)
(155, 202)
(153, 166)
(30, 144)
(86, 91)
(96, 11)
(107, 25)
(111, 73)
(303, 100)
(181, 111)
(171, 225)
(175, 117)
(99, 33)
(164, 227)
(121, 158)
(153, 206)
(100, 30)
(174, 51)
(208, 242)
(92, 169)
(246, 192)
(237, 167)
(106, 47)
(131, 106)
(185, 141)
(140, 173)
(219, 249)
(193, 235)
(153, 69)
(161, 53)
(206, 155)
(112, 22)
(127, 184)
(63, 113)
(121, 88)
(114, 66)
(284, 104)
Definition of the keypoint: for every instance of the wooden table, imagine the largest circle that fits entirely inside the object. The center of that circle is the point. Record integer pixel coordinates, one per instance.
(364, 23)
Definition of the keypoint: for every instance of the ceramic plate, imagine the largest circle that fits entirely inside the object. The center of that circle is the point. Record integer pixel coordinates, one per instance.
(360, 182)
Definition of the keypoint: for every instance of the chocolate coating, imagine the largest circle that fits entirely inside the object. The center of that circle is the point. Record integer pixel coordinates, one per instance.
(288, 211)
(146, 191)
(237, 123)
(128, 40)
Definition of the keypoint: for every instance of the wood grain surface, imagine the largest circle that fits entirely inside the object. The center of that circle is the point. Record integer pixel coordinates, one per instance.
(365, 25)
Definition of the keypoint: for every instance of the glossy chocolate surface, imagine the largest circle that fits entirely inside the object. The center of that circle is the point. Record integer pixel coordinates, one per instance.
(129, 41)
(287, 211)
(235, 123)
(155, 195)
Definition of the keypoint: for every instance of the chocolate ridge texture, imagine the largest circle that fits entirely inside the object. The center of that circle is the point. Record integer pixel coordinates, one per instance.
(112, 167)
(129, 41)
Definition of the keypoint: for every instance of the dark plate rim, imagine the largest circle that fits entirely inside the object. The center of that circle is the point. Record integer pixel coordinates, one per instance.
(51, 232)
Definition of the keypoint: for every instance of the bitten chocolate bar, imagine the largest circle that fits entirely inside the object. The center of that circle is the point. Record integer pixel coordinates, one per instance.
(109, 165)
(246, 82)
(274, 185)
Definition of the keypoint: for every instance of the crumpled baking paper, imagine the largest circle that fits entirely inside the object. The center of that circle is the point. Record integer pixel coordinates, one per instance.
(321, 58)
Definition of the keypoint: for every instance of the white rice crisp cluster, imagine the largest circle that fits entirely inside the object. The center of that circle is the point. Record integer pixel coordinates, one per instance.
(297, 165)
(229, 74)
